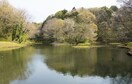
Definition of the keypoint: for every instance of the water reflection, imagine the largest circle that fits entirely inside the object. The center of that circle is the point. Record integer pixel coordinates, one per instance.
(104, 61)
(72, 61)
(14, 64)
(65, 65)
(122, 80)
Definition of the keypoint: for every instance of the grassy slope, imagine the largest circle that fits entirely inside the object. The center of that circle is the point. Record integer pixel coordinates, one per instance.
(9, 45)
(129, 45)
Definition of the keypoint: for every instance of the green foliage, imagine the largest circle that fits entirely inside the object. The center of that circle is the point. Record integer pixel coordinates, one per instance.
(114, 8)
(114, 25)
(103, 21)
(13, 23)
(108, 11)
(123, 24)
(85, 16)
(61, 14)
(74, 27)
(88, 25)
(81, 33)
(52, 30)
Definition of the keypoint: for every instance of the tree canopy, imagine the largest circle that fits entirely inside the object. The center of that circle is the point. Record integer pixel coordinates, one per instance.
(14, 24)
(76, 26)
(81, 25)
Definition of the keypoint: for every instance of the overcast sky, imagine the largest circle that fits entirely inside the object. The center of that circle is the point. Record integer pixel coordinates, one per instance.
(40, 9)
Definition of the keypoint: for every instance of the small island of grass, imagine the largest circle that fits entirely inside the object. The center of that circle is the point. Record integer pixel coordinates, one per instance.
(82, 45)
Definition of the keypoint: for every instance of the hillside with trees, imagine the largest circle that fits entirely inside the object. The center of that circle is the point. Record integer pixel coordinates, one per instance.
(82, 25)
(89, 25)
(76, 26)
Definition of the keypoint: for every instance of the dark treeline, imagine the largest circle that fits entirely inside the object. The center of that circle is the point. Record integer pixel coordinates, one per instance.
(89, 25)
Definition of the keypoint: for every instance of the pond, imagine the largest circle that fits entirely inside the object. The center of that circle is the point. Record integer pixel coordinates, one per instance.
(41, 64)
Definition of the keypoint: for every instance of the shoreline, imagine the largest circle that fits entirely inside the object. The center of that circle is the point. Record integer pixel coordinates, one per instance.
(6, 45)
(127, 46)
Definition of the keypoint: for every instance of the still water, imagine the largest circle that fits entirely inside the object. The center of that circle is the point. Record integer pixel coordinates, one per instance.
(65, 65)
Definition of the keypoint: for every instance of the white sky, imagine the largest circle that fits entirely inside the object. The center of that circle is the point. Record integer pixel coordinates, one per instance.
(40, 9)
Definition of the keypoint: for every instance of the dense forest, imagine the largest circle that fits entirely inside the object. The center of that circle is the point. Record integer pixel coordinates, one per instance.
(89, 25)
(82, 25)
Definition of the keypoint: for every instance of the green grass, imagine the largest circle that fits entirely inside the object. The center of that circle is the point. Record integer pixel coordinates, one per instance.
(86, 45)
(60, 44)
(115, 43)
(129, 45)
(10, 45)
(82, 45)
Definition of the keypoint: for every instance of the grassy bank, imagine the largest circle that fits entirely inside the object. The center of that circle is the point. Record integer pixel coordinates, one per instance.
(82, 45)
(129, 45)
(60, 44)
(86, 45)
(12, 45)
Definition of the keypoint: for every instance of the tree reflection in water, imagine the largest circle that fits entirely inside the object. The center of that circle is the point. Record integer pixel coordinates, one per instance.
(14, 65)
(108, 63)
(122, 80)
(104, 62)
